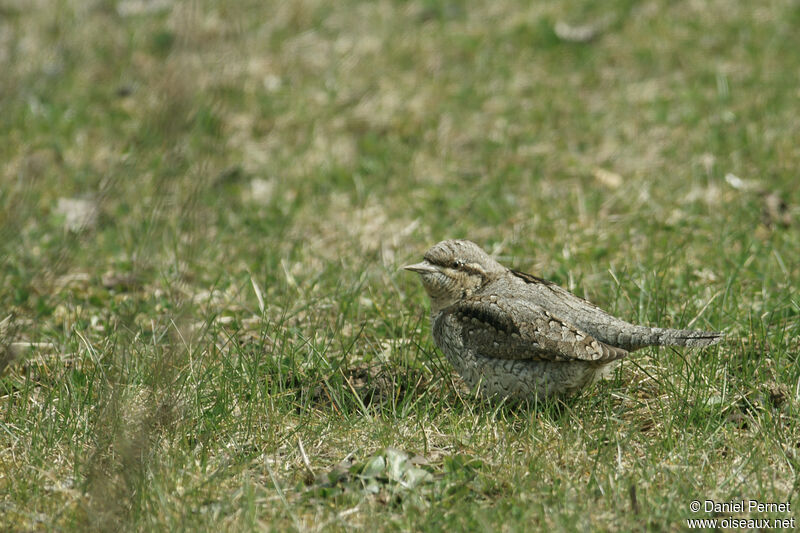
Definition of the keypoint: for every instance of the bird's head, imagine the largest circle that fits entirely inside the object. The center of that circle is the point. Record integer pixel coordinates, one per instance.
(452, 270)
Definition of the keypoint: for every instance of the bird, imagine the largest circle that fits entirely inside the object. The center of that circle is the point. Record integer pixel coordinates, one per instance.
(515, 336)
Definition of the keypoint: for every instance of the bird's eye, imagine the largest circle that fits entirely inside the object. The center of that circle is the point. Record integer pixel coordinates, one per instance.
(457, 263)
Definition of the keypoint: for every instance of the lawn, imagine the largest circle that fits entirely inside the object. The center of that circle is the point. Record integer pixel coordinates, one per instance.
(204, 208)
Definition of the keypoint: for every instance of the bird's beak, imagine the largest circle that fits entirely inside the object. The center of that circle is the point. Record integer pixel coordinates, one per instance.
(421, 268)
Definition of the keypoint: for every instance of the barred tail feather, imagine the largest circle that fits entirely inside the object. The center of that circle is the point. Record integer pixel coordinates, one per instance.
(630, 337)
(686, 337)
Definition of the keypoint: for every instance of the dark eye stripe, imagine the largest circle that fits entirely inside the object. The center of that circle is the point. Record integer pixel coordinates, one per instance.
(470, 268)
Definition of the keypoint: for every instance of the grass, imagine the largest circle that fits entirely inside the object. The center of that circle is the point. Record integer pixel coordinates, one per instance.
(224, 342)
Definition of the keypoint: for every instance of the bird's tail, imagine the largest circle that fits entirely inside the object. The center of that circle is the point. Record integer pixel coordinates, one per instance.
(631, 337)
(681, 337)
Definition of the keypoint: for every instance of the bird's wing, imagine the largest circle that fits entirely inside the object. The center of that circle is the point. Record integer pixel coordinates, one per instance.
(562, 295)
(520, 330)
(605, 327)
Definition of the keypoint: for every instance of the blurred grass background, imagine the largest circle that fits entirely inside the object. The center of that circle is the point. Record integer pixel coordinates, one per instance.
(204, 206)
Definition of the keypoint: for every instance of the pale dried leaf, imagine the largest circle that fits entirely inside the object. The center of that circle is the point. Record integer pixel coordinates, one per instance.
(127, 8)
(79, 213)
(612, 180)
(574, 33)
(740, 184)
(260, 191)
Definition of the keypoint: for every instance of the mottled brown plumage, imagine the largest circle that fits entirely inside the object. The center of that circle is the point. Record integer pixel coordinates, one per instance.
(518, 336)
